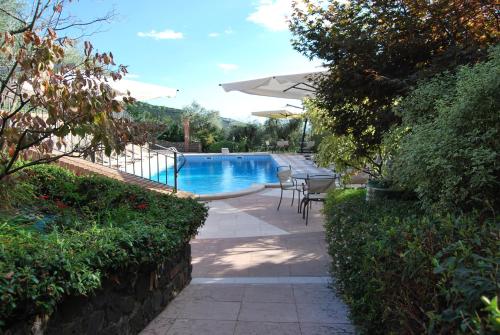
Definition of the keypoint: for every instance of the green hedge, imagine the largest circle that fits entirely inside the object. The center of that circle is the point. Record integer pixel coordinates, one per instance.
(232, 146)
(450, 156)
(76, 231)
(403, 272)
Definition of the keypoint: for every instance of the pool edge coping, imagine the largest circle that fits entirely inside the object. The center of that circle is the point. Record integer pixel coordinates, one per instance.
(227, 195)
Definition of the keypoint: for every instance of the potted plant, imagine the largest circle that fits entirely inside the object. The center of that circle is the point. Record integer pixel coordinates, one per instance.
(378, 188)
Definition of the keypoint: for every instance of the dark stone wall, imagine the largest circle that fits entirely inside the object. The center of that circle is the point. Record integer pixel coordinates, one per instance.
(126, 303)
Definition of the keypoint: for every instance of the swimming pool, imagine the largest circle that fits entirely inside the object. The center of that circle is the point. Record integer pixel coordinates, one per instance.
(209, 174)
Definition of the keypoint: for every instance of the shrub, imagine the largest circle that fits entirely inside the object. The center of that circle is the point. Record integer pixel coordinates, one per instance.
(450, 158)
(406, 272)
(232, 146)
(79, 230)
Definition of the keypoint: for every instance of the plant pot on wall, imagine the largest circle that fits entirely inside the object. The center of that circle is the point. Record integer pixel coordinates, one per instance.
(377, 189)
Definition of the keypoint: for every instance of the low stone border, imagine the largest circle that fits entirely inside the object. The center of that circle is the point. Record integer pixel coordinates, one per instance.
(226, 195)
(127, 302)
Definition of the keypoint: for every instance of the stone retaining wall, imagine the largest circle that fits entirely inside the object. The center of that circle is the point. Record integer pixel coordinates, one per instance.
(125, 305)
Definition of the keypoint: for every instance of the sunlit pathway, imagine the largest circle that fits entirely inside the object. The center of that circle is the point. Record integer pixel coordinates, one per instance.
(257, 271)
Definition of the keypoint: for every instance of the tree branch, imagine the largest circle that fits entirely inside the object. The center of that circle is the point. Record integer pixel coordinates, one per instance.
(12, 16)
(5, 82)
(40, 161)
(80, 24)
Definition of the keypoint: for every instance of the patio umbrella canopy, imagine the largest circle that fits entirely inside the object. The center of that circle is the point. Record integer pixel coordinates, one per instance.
(278, 114)
(292, 86)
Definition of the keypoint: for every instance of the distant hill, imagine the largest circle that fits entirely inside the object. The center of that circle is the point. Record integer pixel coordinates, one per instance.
(142, 111)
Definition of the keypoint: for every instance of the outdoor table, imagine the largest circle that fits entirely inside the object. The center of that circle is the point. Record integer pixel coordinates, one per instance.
(305, 175)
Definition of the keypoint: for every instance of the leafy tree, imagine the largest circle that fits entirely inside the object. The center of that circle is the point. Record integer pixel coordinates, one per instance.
(44, 100)
(205, 125)
(376, 51)
(450, 158)
(246, 135)
(275, 129)
(173, 133)
(341, 150)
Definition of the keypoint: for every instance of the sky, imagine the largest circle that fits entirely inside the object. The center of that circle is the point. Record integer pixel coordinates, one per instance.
(193, 45)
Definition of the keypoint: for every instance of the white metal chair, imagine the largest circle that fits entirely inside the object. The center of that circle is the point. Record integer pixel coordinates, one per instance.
(282, 144)
(269, 146)
(287, 183)
(315, 189)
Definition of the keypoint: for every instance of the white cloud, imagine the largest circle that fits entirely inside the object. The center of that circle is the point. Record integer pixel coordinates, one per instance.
(227, 67)
(167, 34)
(227, 31)
(132, 76)
(272, 14)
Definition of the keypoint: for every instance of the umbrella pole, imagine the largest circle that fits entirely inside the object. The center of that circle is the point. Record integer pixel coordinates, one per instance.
(303, 137)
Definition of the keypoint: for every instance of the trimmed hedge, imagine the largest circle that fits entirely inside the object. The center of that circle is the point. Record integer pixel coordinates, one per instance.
(404, 272)
(77, 231)
(232, 146)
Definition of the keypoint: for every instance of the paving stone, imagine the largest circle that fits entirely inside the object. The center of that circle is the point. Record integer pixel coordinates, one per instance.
(267, 328)
(314, 294)
(323, 313)
(159, 326)
(198, 327)
(209, 310)
(271, 311)
(269, 293)
(326, 329)
(212, 293)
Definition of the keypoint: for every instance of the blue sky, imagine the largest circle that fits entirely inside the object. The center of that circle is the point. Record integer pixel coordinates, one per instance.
(194, 45)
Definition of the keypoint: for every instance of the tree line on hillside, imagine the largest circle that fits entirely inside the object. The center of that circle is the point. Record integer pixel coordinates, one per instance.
(213, 131)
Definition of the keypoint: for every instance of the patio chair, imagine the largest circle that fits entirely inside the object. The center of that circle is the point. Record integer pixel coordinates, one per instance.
(224, 150)
(282, 144)
(269, 146)
(315, 189)
(287, 183)
(307, 147)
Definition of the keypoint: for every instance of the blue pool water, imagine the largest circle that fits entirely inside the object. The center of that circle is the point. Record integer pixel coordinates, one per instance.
(222, 173)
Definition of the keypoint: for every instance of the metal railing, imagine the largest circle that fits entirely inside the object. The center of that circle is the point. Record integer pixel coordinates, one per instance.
(142, 161)
(161, 166)
(157, 166)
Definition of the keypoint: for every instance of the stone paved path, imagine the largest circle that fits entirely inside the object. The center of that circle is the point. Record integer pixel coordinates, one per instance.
(257, 271)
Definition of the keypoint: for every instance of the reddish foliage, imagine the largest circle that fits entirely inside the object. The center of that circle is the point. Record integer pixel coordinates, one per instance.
(61, 204)
(142, 206)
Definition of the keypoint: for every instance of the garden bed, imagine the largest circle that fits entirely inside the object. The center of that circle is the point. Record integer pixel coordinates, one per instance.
(71, 246)
(403, 271)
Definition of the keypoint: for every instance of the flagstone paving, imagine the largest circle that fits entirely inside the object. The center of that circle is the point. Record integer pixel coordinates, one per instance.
(257, 270)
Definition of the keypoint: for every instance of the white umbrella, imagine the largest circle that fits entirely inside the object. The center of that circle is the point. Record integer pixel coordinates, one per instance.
(278, 114)
(292, 86)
